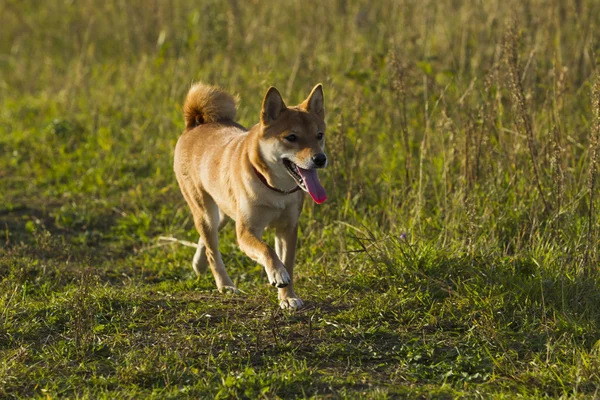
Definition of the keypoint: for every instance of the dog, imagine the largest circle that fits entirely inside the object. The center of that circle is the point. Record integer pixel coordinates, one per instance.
(255, 177)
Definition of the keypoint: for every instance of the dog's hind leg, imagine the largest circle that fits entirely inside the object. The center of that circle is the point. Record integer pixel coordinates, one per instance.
(200, 262)
(207, 221)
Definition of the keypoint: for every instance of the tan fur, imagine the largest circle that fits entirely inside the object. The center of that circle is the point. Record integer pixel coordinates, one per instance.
(206, 104)
(215, 163)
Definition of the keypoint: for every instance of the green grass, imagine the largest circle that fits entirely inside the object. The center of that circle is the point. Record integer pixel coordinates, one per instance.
(457, 255)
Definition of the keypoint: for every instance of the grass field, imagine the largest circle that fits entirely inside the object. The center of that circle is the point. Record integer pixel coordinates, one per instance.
(457, 255)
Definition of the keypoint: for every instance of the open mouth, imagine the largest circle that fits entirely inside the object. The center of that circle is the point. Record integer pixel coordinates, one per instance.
(292, 169)
(307, 179)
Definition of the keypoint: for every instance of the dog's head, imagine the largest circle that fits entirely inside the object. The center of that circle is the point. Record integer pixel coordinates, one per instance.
(294, 138)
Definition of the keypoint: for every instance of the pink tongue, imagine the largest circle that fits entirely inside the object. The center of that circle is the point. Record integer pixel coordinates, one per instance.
(311, 180)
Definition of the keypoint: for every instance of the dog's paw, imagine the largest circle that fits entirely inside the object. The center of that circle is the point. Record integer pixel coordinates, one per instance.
(291, 303)
(279, 277)
(229, 290)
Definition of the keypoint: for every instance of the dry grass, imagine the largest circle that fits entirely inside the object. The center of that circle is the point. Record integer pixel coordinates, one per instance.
(457, 254)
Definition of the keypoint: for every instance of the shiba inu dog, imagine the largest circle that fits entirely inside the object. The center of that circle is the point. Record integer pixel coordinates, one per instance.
(256, 177)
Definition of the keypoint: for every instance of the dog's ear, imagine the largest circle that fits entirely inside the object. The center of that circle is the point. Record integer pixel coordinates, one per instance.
(315, 102)
(272, 106)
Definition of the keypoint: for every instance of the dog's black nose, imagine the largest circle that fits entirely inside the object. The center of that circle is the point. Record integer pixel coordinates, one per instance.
(319, 159)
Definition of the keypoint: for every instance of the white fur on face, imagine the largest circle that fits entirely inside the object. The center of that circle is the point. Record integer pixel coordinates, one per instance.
(273, 154)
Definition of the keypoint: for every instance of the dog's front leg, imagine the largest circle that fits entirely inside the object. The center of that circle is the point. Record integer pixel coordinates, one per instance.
(285, 245)
(256, 249)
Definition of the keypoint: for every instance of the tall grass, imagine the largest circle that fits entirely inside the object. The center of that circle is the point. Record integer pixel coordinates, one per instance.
(463, 139)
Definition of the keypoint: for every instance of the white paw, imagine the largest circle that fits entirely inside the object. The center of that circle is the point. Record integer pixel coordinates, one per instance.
(279, 277)
(229, 290)
(291, 303)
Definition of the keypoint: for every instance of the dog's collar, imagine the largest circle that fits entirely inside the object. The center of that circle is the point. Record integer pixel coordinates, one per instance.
(264, 180)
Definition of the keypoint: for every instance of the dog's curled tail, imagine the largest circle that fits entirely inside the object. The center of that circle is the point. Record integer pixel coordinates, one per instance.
(205, 104)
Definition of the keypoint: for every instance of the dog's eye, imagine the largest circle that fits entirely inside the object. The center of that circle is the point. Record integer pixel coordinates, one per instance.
(291, 138)
(319, 135)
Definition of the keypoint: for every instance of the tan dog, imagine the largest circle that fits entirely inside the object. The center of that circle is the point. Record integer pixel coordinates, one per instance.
(252, 176)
